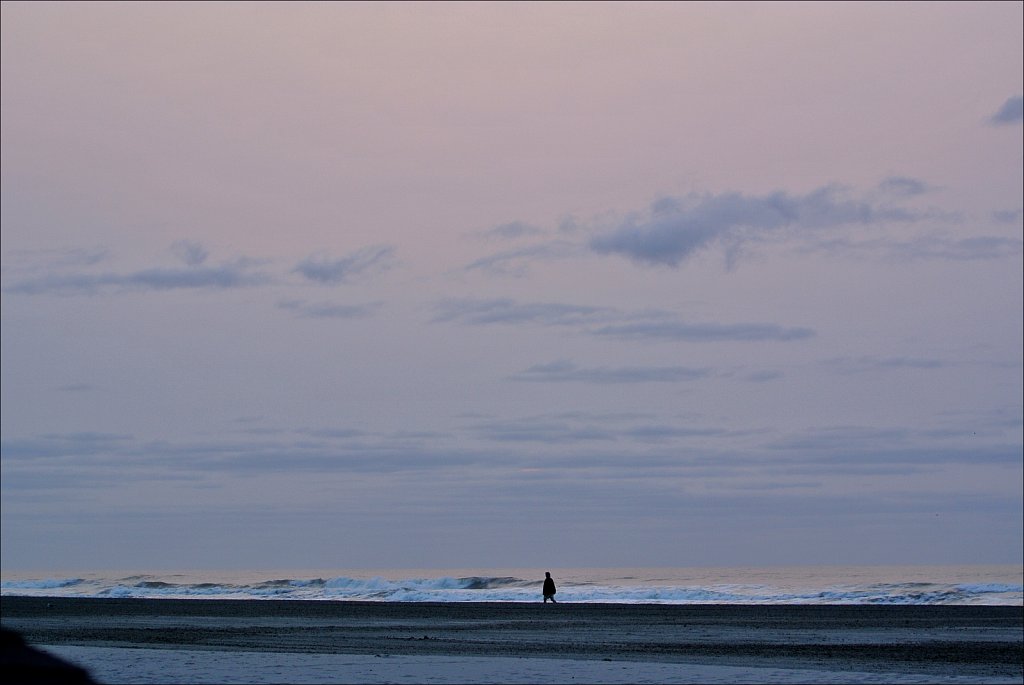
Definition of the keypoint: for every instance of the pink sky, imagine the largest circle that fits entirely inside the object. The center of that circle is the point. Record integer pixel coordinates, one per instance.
(662, 272)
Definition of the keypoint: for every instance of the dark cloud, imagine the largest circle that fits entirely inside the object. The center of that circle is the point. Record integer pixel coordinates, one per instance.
(323, 269)
(1011, 112)
(238, 274)
(327, 310)
(704, 332)
(673, 229)
(567, 372)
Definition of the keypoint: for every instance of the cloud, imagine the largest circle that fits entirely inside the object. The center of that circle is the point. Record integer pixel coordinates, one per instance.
(861, 364)
(317, 451)
(323, 269)
(334, 433)
(704, 332)
(237, 274)
(673, 229)
(197, 274)
(515, 261)
(867, 448)
(65, 272)
(1007, 216)
(327, 310)
(550, 430)
(979, 247)
(58, 257)
(1011, 112)
(661, 433)
(596, 431)
(76, 387)
(505, 311)
(59, 445)
(564, 448)
(569, 428)
(903, 186)
(513, 230)
(189, 252)
(762, 376)
(567, 372)
(609, 322)
(845, 438)
(930, 247)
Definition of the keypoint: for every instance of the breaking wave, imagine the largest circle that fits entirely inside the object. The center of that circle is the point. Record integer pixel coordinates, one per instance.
(513, 589)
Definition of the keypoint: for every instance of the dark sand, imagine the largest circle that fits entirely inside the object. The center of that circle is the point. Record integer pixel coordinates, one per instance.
(975, 641)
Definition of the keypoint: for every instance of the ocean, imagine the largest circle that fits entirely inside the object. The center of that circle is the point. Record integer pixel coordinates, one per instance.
(910, 585)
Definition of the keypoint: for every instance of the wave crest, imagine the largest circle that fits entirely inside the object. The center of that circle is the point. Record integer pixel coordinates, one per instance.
(513, 589)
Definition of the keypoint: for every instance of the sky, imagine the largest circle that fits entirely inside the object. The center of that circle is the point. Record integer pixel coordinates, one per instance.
(430, 285)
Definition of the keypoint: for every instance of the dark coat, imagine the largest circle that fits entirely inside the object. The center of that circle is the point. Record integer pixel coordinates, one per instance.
(549, 586)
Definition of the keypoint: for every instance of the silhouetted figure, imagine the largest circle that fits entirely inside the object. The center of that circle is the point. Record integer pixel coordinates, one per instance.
(549, 588)
(20, 663)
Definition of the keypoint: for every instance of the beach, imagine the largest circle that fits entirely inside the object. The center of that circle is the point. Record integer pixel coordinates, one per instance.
(524, 642)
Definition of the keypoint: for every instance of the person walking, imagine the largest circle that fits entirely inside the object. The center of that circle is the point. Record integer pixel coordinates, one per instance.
(549, 588)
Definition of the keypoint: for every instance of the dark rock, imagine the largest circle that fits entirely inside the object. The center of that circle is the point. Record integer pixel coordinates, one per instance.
(20, 663)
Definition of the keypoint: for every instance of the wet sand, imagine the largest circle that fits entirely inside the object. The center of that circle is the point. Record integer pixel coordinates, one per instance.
(973, 641)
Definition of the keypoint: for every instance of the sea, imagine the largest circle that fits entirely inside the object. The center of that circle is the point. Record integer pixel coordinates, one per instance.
(918, 585)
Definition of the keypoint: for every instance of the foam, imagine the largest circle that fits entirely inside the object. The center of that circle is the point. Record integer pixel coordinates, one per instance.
(512, 589)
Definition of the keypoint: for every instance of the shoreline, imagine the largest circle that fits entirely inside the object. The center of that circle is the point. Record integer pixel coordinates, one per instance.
(973, 641)
(158, 666)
